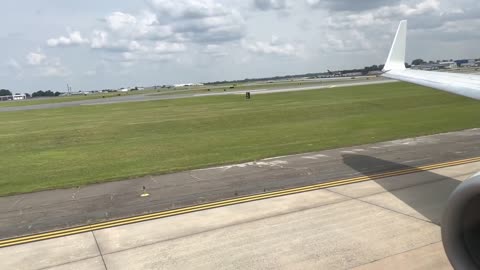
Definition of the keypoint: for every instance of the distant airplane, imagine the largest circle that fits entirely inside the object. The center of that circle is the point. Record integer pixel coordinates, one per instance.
(461, 219)
(334, 73)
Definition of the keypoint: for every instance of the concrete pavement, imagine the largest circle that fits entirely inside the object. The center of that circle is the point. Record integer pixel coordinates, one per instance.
(389, 223)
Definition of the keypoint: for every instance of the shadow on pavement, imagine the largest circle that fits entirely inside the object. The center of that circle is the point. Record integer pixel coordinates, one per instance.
(431, 191)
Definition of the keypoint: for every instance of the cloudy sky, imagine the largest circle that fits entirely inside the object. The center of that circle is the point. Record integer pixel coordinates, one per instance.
(93, 44)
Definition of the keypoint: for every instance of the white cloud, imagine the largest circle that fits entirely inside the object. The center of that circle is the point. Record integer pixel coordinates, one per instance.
(352, 29)
(351, 41)
(214, 50)
(142, 26)
(130, 57)
(312, 3)
(73, 38)
(166, 28)
(275, 47)
(15, 69)
(383, 15)
(200, 20)
(270, 4)
(167, 47)
(104, 41)
(35, 58)
(54, 71)
(43, 66)
(349, 5)
(136, 46)
(91, 72)
(188, 9)
(13, 64)
(119, 21)
(160, 51)
(421, 8)
(99, 39)
(405, 10)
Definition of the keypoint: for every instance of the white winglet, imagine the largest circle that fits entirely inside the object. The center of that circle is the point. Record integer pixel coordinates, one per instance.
(396, 57)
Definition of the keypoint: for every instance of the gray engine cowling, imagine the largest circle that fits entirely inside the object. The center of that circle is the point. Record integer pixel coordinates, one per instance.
(461, 225)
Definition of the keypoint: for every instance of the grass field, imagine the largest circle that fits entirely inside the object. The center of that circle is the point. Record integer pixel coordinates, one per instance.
(168, 91)
(36, 101)
(45, 149)
(257, 86)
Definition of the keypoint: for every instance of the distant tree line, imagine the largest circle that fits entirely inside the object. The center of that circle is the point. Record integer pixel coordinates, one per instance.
(417, 62)
(47, 93)
(364, 71)
(286, 77)
(5, 92)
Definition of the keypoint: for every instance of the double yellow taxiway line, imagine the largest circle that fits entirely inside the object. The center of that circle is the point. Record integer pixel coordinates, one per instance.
(185, 210)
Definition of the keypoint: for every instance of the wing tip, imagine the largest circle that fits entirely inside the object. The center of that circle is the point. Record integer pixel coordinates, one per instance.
(396, 57)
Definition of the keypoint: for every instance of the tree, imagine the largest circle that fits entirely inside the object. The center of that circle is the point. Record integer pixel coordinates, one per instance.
(38, 94)
(47, 93)
(5, 92)
(417, 62)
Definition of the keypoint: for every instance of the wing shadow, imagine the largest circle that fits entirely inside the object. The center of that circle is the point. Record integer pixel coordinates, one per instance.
(429, 195)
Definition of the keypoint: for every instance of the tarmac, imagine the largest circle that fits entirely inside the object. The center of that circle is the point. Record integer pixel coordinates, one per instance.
(387, 223)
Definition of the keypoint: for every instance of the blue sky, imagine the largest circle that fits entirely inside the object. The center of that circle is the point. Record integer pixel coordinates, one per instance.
(111, 44)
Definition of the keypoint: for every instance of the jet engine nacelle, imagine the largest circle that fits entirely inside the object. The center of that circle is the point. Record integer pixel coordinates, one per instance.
(461, 225)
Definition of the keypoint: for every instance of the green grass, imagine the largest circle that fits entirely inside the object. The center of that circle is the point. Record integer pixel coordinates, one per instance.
(254, 86)
(45, 149)
(37, 101)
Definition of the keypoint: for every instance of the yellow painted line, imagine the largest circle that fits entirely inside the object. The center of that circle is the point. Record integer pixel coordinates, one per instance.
(190, 209)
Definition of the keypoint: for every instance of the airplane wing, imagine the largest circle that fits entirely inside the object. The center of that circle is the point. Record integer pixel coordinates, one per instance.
(461, 84)
(461, 217)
